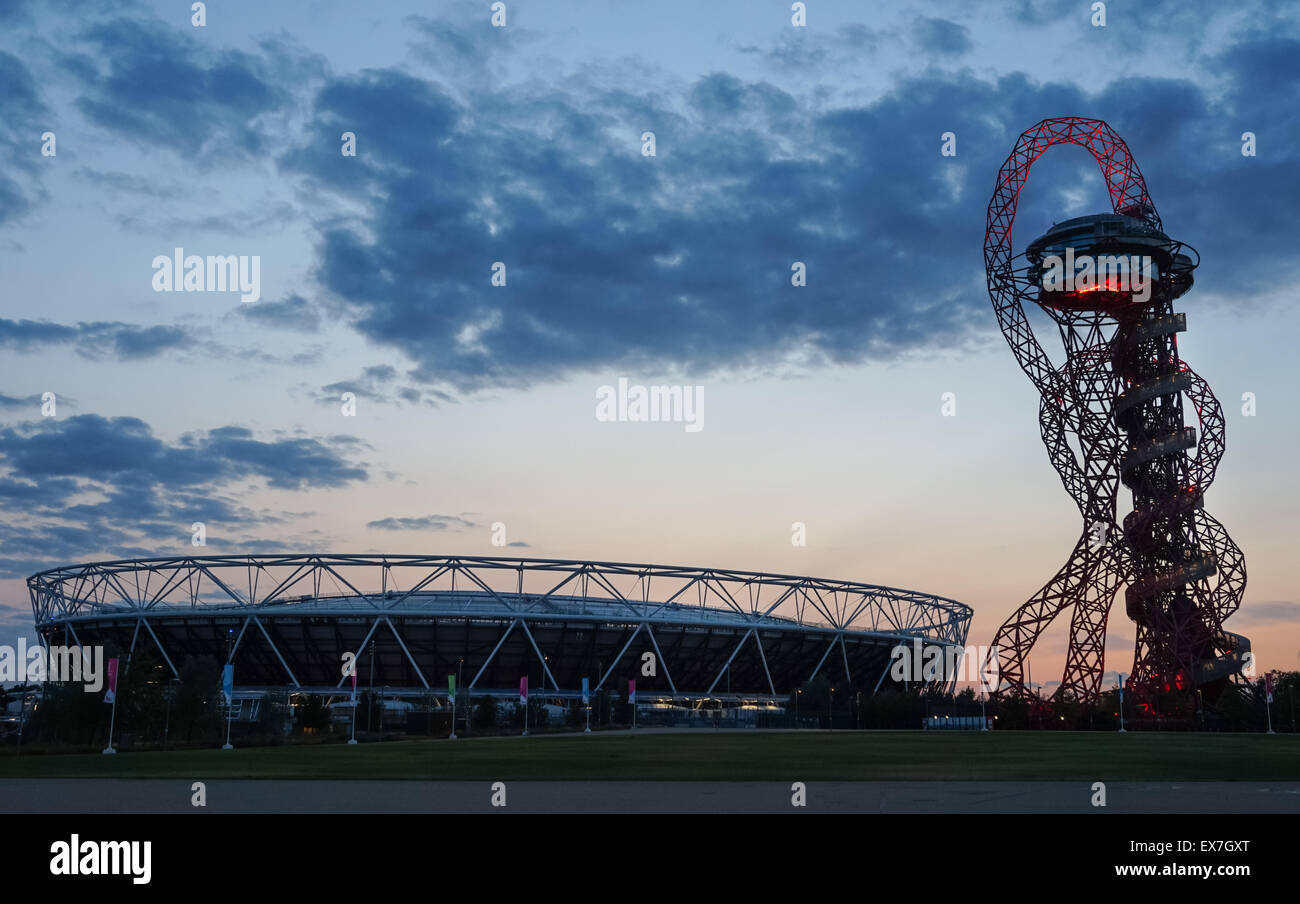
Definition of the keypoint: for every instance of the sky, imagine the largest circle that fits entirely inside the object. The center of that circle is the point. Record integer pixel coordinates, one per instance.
(475, 403)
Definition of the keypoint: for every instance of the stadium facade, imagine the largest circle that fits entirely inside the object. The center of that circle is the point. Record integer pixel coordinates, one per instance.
(287, 621)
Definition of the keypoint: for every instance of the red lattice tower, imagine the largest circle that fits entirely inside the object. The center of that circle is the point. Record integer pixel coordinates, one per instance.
(1112, 415)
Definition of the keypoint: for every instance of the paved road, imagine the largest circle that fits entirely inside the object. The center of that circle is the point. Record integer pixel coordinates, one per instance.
(243, 796)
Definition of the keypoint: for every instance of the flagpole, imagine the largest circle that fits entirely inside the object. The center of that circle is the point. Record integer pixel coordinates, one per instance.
(228, 692)
(1121, 703)
(451, 683)
(112, 720)
(353, 739)
(586, 704)
(1268, 700)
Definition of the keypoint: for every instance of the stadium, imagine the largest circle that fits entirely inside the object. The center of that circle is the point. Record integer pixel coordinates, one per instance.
(286, 622)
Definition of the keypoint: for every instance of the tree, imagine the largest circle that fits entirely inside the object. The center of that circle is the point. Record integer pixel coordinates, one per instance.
(370, 709)
(622, 710)
(575, 716)
(313, 714)
(270, 717)
(68, 715)
(485, 714)
(538, 715)
(198, 710)
(142, 694)
(604, 706)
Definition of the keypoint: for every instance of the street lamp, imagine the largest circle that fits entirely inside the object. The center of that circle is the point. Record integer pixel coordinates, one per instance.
(370, 702)
(1121, 703)
(460, 677)
(171, 692)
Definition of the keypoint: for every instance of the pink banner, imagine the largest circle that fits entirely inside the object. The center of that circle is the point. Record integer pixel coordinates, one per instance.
(111, 695)
(523, 689)
(631, 690)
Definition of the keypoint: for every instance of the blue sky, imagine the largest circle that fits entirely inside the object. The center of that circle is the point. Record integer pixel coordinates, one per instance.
(523, 145)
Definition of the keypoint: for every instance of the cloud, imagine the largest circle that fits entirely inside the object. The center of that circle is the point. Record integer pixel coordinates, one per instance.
(23, 118)
(375, 383)
(800, 51)
(127, 183)
(124, 341)
(681, 263)
(424, 522)
(941, 37)
(1267, 612)
(8, 402)
(84, 486)
(291, 313)
(141, 79)
(270, 215)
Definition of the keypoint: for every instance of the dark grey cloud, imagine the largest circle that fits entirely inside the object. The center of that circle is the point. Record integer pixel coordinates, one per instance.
(377, 383)
(423, 522)
(10, 403)
(682, 262)
(124, 451)
(126, 183)
(160, 86)
(941, 37)
(805, 51)
(293, 313)
(23, 119)
(83, 487)
(99, 339)
(371, 383)
(270, 217)
(1267, 612)
(470, 54)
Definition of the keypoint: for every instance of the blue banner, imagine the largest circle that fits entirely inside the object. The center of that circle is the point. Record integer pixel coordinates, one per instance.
(585, 695)
(228, 683)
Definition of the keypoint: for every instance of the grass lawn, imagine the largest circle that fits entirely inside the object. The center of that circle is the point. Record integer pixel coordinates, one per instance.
(704, 756)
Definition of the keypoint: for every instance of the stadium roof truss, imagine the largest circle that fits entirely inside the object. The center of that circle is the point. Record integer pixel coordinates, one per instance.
(518, 596)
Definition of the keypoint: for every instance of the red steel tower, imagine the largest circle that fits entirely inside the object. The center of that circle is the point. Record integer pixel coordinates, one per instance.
(1112, 415)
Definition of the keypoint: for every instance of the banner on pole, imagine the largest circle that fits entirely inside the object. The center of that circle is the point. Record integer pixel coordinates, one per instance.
(354, 684)
(228, 683)
(1268, 686)
(586, 695)
(631, 691)
(523, 690)
(451, 686)
(111, 694)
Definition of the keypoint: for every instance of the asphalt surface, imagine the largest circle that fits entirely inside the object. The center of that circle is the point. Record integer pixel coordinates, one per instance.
(98, 796)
